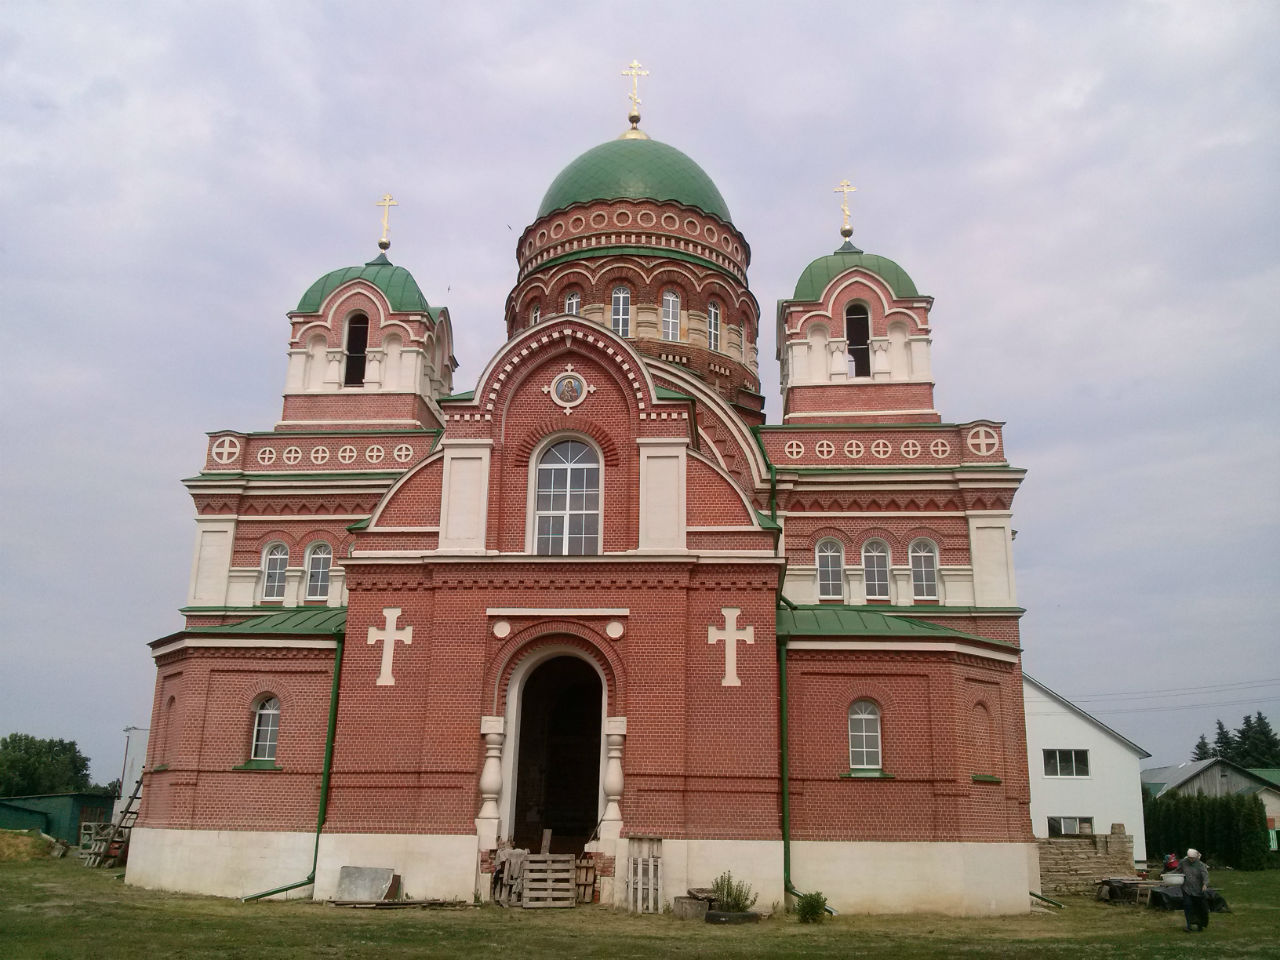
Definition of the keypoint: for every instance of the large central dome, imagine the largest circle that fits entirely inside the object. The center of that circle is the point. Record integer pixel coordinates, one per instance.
(634, 169)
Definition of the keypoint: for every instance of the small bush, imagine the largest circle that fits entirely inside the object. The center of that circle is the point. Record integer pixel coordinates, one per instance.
(811, 907)
(733, 896)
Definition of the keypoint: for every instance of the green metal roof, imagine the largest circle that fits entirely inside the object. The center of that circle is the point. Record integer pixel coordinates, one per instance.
(634, 169)
(822, 271)
(317, 621)
(396, 283)
(838, 620)
(1267, 773)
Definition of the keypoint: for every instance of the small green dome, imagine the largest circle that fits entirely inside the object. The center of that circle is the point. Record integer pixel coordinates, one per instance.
(822, 271)
(396, 283)
(634, 169)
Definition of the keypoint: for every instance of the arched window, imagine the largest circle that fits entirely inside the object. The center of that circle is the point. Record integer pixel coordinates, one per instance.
(713, 325)
(857, 331)
(924, 570)
(567, 512)
(864, 736)
(319, 560)
(670, 315)
(621, 314)
(830, 570)
(535, 315)
(266, 726)
(875, 569)
(357, 345)
(274, 563)
(573, 303)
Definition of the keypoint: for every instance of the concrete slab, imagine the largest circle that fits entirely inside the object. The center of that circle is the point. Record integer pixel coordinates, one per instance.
(364, 883)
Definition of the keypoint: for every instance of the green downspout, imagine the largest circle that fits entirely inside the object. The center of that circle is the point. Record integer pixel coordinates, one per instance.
(785, 764)
(339, 638)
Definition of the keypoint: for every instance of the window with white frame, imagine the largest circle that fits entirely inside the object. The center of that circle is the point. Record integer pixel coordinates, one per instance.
(857, 331)
(621, 312)
(573, 303)
(275, 560)
(713, 325)
(670, 315)
(864, 736)
(924, 570)
(266, 727)
(1066, 763)
(567, 495)
(875, 569)
(319, 560)
(830, 558)
(535, 315)
(1070, 826)
(356, 351)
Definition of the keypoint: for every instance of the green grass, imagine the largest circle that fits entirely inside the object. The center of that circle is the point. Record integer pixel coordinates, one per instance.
(59, 910)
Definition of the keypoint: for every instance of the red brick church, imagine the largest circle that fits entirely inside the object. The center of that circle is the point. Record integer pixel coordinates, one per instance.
(591, 590)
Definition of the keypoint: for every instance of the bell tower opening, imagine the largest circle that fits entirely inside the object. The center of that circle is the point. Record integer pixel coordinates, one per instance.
(558, 767)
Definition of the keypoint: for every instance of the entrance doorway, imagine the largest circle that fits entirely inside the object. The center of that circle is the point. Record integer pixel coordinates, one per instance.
(558, 766)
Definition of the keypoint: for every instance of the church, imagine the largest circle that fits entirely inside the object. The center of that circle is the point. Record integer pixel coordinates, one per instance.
(591, 590)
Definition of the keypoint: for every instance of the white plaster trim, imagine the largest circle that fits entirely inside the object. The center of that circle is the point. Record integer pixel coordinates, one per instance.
(296, 517)
(904, 646)
(731, 528)
(875, 513)
(360, 557)
(856, 413)
(403, 422)
(435, 529)
(558, 612)
(244, 643)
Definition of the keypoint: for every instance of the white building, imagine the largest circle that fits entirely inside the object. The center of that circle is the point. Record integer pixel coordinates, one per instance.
(1084, 775)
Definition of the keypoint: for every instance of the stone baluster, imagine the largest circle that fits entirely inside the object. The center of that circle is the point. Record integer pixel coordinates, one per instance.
(493, 731)
(615, 732)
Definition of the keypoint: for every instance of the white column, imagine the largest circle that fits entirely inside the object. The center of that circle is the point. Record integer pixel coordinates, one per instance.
(373, 368)
(492, 729)
(880, 359)
(615, 733)
(333, 369)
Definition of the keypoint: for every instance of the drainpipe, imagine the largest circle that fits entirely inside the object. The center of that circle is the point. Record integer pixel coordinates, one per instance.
(784, 764)
(339, 638)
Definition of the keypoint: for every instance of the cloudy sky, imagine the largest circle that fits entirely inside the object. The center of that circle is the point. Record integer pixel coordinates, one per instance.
(1088, 190)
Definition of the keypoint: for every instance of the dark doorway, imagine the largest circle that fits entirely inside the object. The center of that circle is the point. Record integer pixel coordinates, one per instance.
(558, 780)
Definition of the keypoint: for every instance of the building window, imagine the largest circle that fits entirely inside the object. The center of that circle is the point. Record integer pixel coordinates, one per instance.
(319, 560)
(857, 331)
(357, 345)
(274, 563)
(830, 570)
(1070, 826)
(670, 315)
(535, 315)
(864, 736)
(875, 569)
(1066, 763)
(567, 517)
(713, 325)
(266, 725)
(924, 570)
(621, 311)
(573, 303)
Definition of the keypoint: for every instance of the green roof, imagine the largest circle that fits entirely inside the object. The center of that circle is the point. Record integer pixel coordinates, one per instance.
(634, 169)
(1267, 773)
(309, 621)
(822, 271)
(396, 283)
(839, 620)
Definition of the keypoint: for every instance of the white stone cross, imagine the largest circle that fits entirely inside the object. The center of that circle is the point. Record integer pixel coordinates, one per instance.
(731, 635)
(389, 635)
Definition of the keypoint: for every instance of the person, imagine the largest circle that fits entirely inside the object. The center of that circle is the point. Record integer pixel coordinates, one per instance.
(1195, 891)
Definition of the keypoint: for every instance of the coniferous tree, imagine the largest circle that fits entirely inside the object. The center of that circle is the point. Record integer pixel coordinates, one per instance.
(1224, 744)
(1202, 750)
(1267, 740)
(1245, 746)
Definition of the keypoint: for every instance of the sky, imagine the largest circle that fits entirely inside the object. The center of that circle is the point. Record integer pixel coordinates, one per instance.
(1088, 191)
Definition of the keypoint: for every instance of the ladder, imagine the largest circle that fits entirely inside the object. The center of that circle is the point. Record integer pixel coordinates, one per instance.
(109, 850)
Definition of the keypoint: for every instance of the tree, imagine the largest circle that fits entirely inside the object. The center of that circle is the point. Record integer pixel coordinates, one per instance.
(1253, 744)
(1224, 745)
(1268, 741)
(30, 765)
(1202, 751)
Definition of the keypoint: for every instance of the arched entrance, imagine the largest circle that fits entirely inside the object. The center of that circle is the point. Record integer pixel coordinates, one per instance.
(558, 759)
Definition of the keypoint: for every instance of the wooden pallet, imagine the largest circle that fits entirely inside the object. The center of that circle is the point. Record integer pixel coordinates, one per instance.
(550, 880)
(585, 880)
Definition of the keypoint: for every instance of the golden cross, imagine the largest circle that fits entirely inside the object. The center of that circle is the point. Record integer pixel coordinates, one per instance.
(635, 72)
(845, 189)
(386, 203)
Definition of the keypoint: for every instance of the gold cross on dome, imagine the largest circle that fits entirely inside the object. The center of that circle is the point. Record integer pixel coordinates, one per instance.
(635, 71)
(386, 203)
(845, 189)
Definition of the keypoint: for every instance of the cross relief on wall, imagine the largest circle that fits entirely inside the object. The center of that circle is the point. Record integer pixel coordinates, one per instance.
(389, 635)
(731, 634)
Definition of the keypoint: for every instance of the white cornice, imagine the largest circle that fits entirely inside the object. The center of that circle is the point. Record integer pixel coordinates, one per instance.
(905, 646)
(244, 643)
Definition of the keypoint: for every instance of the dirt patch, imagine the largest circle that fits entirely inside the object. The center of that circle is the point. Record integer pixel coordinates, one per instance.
(16, 847)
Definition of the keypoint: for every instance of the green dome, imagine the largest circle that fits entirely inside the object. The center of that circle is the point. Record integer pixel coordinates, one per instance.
(634, 169)
(822, 271)
(396, 283)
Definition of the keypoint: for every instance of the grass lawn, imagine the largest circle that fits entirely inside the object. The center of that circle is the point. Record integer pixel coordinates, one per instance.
(59, 910)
